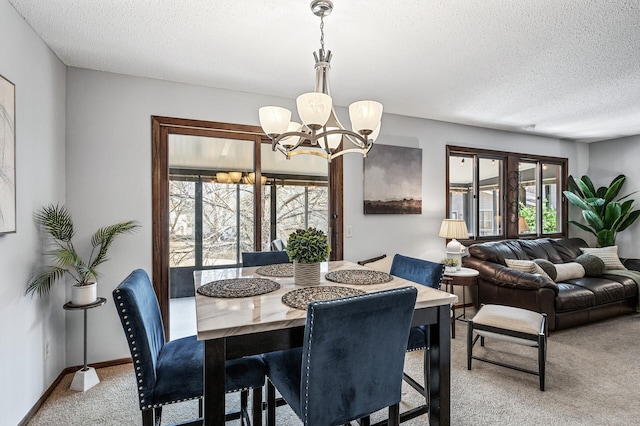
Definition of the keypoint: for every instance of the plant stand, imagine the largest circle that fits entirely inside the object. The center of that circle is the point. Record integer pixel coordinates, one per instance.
(86, 377)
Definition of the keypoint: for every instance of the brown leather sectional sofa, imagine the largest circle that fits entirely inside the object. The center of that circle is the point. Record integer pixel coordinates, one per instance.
(568, 303)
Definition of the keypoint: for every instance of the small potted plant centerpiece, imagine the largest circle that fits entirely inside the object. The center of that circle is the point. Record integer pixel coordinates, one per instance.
(307, 248)
(57, 223)
(449, 264)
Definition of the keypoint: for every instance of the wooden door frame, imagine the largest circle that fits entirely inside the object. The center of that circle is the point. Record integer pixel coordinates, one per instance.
(161, 127)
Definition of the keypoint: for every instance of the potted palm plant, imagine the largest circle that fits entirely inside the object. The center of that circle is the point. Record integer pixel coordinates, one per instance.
(604, 211)
(57, 223)
(307, 248)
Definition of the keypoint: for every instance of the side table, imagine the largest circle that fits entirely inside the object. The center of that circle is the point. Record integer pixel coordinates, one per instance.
(86, 377)
(465, 277)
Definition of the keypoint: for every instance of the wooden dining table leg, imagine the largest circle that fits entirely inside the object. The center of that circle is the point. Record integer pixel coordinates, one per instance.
(214, 382)
(440, 369)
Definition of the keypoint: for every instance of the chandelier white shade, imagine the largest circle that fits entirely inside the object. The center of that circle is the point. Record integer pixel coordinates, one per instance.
(320, 124)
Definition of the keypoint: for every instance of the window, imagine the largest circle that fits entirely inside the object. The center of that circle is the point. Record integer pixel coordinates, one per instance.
(212, 209)
(506, 195)
(201, 221)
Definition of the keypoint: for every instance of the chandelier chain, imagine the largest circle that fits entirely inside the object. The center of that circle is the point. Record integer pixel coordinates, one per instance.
(322, 32)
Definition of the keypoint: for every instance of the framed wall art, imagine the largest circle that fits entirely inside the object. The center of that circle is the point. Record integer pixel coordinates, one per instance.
(7, 156)
(393, 180)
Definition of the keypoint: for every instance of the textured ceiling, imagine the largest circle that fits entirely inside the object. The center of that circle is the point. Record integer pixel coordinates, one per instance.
(569, 67)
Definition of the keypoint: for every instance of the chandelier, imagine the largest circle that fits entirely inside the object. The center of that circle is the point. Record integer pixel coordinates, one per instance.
(320, 125)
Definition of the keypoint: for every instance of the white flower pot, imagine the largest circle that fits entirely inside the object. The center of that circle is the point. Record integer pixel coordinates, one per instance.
(306, 274)
(84, 294)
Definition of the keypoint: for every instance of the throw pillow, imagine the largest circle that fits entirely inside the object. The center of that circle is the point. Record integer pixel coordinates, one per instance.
(526, 266)
(548, 267)
(608, 254)
(382, 265)
(593, 265)
(569, 271)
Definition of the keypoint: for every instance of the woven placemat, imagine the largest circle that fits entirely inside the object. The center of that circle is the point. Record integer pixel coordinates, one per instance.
(276, 270)
(238, 287)
(301, 297)
(358, 277)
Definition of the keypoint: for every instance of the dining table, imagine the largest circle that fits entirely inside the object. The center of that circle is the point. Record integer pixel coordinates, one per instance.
(233, 327)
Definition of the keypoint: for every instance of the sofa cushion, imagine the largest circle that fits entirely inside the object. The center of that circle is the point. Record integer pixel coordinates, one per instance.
(548, 267)
(568, 248)
(608, 254)
(541, 248)
(526, 266)
(568, 271)
(572, 297)
(498, 251)
(604, 290)
(593, 265)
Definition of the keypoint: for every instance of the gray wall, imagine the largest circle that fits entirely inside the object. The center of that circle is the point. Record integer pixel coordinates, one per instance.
(608, 159)
(28, 323)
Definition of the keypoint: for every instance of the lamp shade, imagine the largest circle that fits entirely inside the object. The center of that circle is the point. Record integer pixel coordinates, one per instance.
(222, 177)
(235, 177)
(332, 140)
(523, 228)
(274, 120)
(365, 116)
(314, 109)
(291, 140)
(453, 228)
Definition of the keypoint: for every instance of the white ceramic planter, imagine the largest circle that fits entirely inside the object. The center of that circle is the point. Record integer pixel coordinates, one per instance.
(84, 294)
(306, 274)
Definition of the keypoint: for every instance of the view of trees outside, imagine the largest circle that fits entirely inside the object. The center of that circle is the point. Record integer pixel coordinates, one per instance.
(227, 219)
(182, 223)
(293, 214)
(549, 219)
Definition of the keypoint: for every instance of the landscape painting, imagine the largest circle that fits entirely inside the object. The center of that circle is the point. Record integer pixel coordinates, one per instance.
(393, 180)
(7, 157)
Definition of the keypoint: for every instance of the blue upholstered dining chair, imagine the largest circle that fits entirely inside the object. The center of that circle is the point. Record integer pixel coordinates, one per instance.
(429, 274)
(262, 258)
(351, 361)
(168, 372)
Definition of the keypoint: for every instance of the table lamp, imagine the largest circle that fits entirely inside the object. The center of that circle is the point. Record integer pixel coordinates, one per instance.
(454, 228)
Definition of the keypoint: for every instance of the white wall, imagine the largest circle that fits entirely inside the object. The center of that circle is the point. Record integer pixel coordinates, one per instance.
(27, 323)
(608, 159)
(416, 235)
(109, 150)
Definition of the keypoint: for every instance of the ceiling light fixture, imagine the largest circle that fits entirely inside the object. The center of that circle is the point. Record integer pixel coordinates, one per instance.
(320, 124)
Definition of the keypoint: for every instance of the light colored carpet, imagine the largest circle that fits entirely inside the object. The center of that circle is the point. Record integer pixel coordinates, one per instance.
(593, 378)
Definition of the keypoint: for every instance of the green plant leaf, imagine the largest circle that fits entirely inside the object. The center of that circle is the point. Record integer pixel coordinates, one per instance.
(43, 279)
(606, 238)
(593, 219)
(612, 213)
(629, 220)
(308, 246)
(583, 227)
(586, 186)
(573, 187)
(576, 200)
(614, 188)
(56, 221)
(104, 237)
